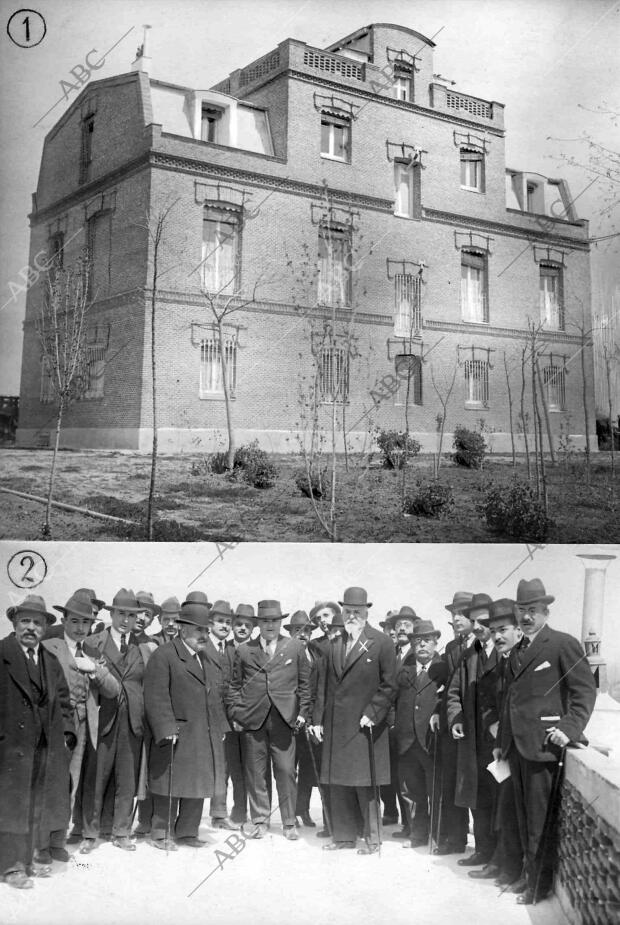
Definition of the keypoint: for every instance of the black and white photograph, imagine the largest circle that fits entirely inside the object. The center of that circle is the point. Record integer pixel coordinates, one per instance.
(309, 452)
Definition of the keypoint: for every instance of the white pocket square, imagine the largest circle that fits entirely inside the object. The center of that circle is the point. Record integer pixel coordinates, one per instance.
(369, 660)
(288, 661)
(542, 665)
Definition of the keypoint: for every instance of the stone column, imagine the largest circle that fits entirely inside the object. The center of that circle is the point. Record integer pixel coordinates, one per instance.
(593, 607)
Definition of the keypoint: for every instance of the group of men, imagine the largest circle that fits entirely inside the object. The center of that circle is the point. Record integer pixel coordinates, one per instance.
(97, 726)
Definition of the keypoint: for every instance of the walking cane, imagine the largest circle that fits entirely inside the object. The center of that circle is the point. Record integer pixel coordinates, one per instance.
(548, 832)
(172, 743)
(373, 782)
(430, 836)
(326, 813)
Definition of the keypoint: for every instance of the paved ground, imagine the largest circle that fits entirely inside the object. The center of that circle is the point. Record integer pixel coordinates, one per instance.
(268, 882)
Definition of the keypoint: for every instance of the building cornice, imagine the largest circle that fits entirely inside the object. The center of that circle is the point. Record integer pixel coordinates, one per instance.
(468, 221)
(487, 330)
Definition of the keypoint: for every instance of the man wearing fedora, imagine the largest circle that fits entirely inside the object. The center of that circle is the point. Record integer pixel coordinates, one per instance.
(300, 627)
(351, 717)
(36, 735)
(453, 821)
(57, 631)
(186, 718)
(88, 680)
(169, 611)
(468, 691)
(415, 702)
(115, 769)
(268, 697)
(548, 703)
(145, 616)
(220, 655)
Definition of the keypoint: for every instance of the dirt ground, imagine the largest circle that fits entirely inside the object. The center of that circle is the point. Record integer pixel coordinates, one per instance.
(194, 505)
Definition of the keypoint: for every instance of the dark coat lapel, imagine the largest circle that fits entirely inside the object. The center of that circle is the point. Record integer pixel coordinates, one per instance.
(527, 655)
(361, 647)
(18, 668)
(194, 667)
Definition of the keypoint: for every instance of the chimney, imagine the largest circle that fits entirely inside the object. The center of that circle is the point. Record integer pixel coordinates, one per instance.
(143, 59)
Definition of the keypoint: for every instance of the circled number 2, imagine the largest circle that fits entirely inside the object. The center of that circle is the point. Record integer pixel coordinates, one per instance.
(27, 568)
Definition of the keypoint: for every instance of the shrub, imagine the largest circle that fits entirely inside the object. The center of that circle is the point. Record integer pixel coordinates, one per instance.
(430, 499)
(515, 512)
(312, 487)
(251, 462)
(261, 473)
(218, 463)
(470, 448)
(392, 444)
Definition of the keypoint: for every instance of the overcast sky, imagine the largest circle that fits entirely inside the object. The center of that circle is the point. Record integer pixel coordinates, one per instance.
(544, 59)
(424, 577)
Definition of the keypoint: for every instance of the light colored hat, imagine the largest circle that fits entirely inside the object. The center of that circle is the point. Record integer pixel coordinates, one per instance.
(123, 600)
(32, 603)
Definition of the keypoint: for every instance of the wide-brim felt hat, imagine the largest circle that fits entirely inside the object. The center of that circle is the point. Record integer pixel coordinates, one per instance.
(245, 612)
(123, 600)
(221, 609)
(406, 613)
(170, 606)
(300, 618)
(146, 602)
(79, 606)
(425, 628)
(197, 597)
(320, 605)
(460, 600)
(478, 602)
(355, 597)
(530, 592)
(499, 610)
(92, 597)
(32, 603)
(196, 614)
(390, 618)
(270, 610)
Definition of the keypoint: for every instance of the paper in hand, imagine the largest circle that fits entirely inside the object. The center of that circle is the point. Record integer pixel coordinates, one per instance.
(500, 769)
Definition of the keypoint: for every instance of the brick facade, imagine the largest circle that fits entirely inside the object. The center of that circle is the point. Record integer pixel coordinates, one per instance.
(138, 167)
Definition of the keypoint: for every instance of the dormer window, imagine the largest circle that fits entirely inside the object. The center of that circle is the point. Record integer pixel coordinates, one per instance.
(531, 197)
(401, 87)
(210, 124)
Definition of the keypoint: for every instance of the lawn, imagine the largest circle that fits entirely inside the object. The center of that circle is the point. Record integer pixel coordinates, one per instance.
(196, 505)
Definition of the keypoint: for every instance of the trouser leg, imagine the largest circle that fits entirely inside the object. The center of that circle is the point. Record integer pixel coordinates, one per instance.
(188, 817)
(368, 810)
(282, 750)
(160, 823)
(126, 769)
(305, 774)
(256, 748)
(345, 813)
(233, 747)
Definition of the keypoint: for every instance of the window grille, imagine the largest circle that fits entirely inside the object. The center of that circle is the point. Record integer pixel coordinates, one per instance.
(555, 387)
(477, 381)
(409, 373)
(47, 393)
(211, 379)
(334, 374)
(407, 309)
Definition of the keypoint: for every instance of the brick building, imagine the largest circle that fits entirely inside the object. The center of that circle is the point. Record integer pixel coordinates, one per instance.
(345, 185)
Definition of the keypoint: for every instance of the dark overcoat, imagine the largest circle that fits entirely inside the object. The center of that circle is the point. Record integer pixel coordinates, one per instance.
(362, 684)
(415, 703)
(467, 696)
(181, 698)
(20, 729)
(259, 682)
(129, 671)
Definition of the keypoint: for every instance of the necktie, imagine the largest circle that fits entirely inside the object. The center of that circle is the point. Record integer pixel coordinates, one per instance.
(350, 644)
(123, 643)
(79, 652)
(33, 671)
(520, 650)
(31, 657)
(221, 647)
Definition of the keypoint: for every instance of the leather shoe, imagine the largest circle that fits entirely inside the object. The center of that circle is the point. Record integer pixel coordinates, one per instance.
(74, 837)
(308, 821)
(519, 886)
(338, 845)
(368, 848)
(526, 898)
(254, 829)
(473, 860)
(418, 841)
(390, 820)
(488, 872)
(447, 848)
(323, 833)
(123, 842)
(141, 831)
(19, 880)
(87, 845)
(190, 841)
(164, 844)
(403, 833)
(60, 854)
(40, 870)
(225, 823)
(290, 832)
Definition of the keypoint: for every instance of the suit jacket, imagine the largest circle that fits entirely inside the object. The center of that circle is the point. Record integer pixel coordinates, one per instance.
(85, 690)
(129, 671)
(363, 683)
(259, 682)
(551, 685)
(415, 703)
(442, 673)
(181, 698)
(221, 670)
(22, 721)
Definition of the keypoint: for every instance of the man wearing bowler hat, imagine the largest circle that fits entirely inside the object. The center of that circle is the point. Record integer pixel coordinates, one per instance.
(186, 718)
(36, 736)
(351, 714)
(549, 701)
(453, 821)
(415, 702)
(115, 768)
(268, 697)
(89, 680)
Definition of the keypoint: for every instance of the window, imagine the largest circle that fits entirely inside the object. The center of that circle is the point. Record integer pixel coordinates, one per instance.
(334, 282)
(209, 124)
(477, 383)
(99, 254)
(334, 374)
(555, 391)
(211, 380)
(86, 154)
(47, 393)
(220, 251)
(335, 138)
(94, 373)
(409, 375)
(472, 170)
(551, 302)
(407, 311)
(531, 197)
(402, 84)
(55, 254)
(474, 302)
(403, 189)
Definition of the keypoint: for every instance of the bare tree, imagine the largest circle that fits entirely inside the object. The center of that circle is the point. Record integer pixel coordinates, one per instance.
(610, 357)
(62, 333)
(444, 393)
(510, 414)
